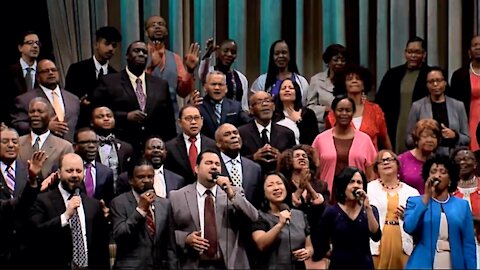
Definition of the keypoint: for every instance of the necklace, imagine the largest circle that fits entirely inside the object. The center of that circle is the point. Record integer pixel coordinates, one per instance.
(388, 187)
(468, 182)
(445, 201)
(473, 70)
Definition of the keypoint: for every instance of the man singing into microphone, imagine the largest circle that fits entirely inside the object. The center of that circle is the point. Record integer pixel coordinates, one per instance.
(141, 223)
(207, 218)
(71, 230)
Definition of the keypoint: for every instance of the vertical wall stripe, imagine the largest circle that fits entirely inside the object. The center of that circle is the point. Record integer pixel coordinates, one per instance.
(399, 31)
(175, 26)
(85, 41)
(432, 32)
(420, 18)
(383, 63)
(270, 28)
(130, 24)
(299, 35)
(363, 32)
(99, 11)
(454, 36)
(204, 16)
(333, 22)
(237, 30)
(476, 18)
(150, 8)
(327, 13)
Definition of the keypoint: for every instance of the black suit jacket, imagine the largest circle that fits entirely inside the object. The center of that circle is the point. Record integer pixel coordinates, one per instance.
(388, 95)
(177, 156)
(14, 218)
(135, 248)
(116, 92)
(173, 181)
(232, 113)
(81, 80)
(54, 242)
(461, 87)
(252, 181)
(281, 138)
(104, 183)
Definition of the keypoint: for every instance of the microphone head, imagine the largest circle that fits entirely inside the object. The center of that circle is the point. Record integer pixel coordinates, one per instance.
(435, 181)
(284, 206)
(357, 193)
(148, 186)
(215, 175)
(76, 191)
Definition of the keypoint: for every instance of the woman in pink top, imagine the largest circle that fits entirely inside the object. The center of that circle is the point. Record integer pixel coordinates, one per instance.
(343, 145)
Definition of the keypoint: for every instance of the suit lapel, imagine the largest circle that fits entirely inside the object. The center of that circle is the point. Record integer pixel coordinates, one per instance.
(255, 135)
(57, 201)
(191, 197)
(150, 94)
(48, 146)
(21, 176)
(159, 217)
(128, 88)
(26, 148)
(182, 151)
(89, 210)
(210, 108)
(220, 207)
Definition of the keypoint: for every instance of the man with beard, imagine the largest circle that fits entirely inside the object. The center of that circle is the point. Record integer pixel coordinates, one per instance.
(141, 224)
(40, 137)
(81, 78)
(66, 106)
(242, 171)
(112, 152)
(18, 191)
(263, 140)
(98, 179)
(164, 180)
(140, 102)
(168, 65)
(70, 228)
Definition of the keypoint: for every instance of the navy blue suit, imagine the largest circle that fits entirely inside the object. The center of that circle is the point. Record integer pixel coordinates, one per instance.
(173, 181)
(103, 183)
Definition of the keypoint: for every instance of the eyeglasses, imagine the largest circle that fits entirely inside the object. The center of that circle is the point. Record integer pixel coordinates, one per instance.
(88, 142)
(191, 118)
(261, 101)
(386, 160)
(31, 42)
(465, 159)
(47, 70)
(438, 80)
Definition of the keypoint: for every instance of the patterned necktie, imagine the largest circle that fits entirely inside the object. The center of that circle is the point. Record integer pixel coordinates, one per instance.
(150, 224)
(218, 112)
(89, 180)
(10, 173)
(265, 136)
(36, 145)
(235, 173)
(210, 225)
(79, 256)
(140, 95)
(28, 78)
(57, 107)
(192, 152)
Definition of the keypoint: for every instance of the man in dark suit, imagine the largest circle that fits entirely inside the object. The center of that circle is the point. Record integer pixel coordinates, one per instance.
(242, 171)
(140, 102)
(40, 138)
(141, 223)
(164, 180)
(263, 140)
(65, 105)
(70, 229)
(207, 218)
(215, 108)
(112, 151)
(181, 152)
(99, 184)
(21, 76)
(18, 191)
(81, 78)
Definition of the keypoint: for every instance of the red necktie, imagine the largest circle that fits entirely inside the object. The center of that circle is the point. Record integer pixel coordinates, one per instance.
(150, 224)
(210, 225)
(192, 153)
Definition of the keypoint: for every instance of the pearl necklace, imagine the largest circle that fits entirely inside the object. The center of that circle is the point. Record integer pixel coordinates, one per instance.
(473, 71)
(389, 188)
(438, 201)
(468, 182)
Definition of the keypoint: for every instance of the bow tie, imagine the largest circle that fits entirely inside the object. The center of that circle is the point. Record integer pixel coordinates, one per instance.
(110, 139)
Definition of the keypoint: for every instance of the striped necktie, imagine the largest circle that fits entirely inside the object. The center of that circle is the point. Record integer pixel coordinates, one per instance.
(10, 173)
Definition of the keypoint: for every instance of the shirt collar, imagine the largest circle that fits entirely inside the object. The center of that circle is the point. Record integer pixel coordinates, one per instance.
(48, 90)
(227, 159)
(134, 77)
(4, 166)
(98, 66)
(201, 190)
(136, 195)
(65, 194)
(91, 162)
(260, 127)
(186, 137)
(43, 137)
(25, 65)
(159, 170)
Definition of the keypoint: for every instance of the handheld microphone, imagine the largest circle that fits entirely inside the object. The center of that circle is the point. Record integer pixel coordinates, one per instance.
(283, 207)
(215, 175)
(76, 192)
(357, 193)
(148, 186)
(435, 181)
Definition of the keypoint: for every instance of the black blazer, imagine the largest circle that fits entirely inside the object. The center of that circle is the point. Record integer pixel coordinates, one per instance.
(177, 156)
(116, 92)
(55, 242)
(281, 138)
(103, 183)
(232, 113)
(173, 181)
(388, 95)
(461, 87)
(306, 127)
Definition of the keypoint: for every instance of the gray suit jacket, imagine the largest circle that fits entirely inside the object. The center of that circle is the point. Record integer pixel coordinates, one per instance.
(54, 147)
(457, 120)
(135, 248)
(20, 113)
(185, 220)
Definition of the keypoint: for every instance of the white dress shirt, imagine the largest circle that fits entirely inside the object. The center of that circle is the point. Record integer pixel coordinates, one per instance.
(261, 128)
(201, 195)
(133, 80)
(81, 215)
(99, 66)
(43, 138)
(228, 164)
(188, 143)
(159, 184)
(33, 72)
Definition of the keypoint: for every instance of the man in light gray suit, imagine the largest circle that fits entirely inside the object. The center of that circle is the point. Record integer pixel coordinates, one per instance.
(66, 105)
(141, 224)
(242, 171)
(207, 216)
(39, 114)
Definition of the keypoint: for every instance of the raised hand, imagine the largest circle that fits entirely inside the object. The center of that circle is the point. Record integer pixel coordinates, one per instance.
(35, 164)
(191, 58)
(210, 48)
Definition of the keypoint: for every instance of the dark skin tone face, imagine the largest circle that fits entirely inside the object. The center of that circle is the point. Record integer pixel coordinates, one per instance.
(38, 115)
(156, 152)
(87, 145)
(137, 58)
(142, 178)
